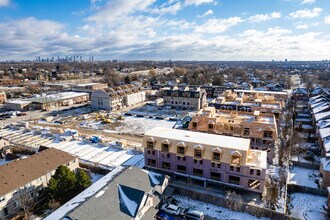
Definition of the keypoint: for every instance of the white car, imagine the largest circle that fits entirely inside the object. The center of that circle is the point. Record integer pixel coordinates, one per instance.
(171, 209)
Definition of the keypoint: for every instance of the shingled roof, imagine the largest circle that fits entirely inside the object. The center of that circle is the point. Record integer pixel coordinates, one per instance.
(20, 172)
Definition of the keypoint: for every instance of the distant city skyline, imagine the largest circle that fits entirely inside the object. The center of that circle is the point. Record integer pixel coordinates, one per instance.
(260, 30)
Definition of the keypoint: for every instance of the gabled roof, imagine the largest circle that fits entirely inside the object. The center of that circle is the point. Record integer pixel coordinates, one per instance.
(324, 132)
(20, 172)
(300, 91)
(122, 198)
(322, 115)
(130, 200)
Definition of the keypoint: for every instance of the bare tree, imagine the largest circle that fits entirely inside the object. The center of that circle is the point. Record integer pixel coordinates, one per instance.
(232, 200)
(270, 194)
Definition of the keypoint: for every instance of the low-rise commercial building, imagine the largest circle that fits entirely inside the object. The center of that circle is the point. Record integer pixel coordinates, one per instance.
(260, 129)
(117, 97)
(207, 158)
(48, 102)
(24, 178)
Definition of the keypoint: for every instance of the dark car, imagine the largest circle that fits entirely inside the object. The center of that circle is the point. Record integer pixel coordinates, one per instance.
(161, 215)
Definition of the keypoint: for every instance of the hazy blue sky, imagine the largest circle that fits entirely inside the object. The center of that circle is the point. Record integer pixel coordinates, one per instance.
(166, 29)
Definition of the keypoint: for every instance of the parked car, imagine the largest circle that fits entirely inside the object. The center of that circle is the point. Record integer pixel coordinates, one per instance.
(21, 114)
(161, 215)
(171, 209)
(191, 214)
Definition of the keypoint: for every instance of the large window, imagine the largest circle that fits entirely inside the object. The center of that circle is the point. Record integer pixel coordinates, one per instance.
(181, 169)
(150, 145)
(268, 134)
(211, 126)
(181, 150)
(253, 184)
(165, 147)
(216, 157)
(198, 154)
(215, 176)
(198, 172)
(235, 160)
(234, 180)
(166, 165)
(151, 162)
(246, 132)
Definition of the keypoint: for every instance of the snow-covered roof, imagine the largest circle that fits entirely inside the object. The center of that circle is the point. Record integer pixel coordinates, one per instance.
(201, 138)
(324, 132)
(325, 161)
(122, 198)
(322, 115)
(318, 104)
(321, 108)
(263, 92)
(18, 101)
(300, 91)
(324, 123)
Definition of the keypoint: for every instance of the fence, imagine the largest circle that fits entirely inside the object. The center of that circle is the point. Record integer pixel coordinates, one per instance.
(212, 198)
(313, 166)
(292, 188)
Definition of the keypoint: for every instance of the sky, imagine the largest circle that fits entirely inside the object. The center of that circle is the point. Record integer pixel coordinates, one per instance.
(219, 30)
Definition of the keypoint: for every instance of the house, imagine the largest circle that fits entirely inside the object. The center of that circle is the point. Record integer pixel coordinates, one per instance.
(117, 97)
(90, 87)
(185, 98)
(3, 143)
(25, 178)
(206, 158)
(132, 194)
(3, 97)
(260, 129)
(299, 94)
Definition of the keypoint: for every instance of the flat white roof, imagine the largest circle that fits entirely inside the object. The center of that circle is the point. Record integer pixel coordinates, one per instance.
(201, 138)
(18, 101)
(263, 92)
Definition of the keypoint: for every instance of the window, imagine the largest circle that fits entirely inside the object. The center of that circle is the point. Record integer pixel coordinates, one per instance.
(151, 162)
(201, 162)
(198, 154)
(194, 124)
(231, 168)
(234, 180)
(150, 145)
(213, 165)
(235, 160)
(181, 169)
(268, 134)
(216, 156)
(251, 171)
(166, 165)
(258, 172)
(215, 176)
(181, 150)
(211, 126)
(238, 169)
(246, 132)
(198, 172)
(253, 184)
(165, 147)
